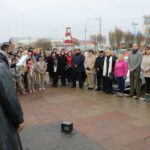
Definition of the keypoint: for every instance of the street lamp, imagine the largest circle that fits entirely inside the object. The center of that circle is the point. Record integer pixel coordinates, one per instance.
(134, 27)
(86, 27)
(98, 19)
(134, 24)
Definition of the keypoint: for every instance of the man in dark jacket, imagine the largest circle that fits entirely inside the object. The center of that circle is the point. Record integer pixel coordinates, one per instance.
(78, 65)
(4, 53)
(99, 70)
(62, 63)
(52, 68)
(11, 115)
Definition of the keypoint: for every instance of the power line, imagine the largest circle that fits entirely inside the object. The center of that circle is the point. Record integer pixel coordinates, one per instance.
(119, 21)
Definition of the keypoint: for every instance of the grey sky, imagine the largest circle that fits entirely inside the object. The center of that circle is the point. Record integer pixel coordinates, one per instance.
(48, 18)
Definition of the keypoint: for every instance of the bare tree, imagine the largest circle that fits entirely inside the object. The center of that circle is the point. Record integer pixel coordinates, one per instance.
(147, 40)
(118, 37)
(101, 39)
(112, 40)
(98, 39)
(43, 43)
(139, 38)
(129, 39)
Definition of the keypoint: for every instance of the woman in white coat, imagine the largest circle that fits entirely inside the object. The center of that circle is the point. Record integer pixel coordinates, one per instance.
(145, 66)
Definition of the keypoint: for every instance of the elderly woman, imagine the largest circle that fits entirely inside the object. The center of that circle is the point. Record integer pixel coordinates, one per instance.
(89, 63)
(120, 71)
(145, 66)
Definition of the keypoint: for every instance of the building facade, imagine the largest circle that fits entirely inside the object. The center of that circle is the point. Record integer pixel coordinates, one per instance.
(147, 26)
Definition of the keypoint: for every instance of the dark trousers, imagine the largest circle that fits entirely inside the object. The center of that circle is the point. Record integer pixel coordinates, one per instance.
(77, 76)
(25, 80)
(107, 83)
(121, 84)
(99, 80)
(135, 82)
(63, 78)
(55, 79)
(69, 74)
(84, 76)
(147, 80)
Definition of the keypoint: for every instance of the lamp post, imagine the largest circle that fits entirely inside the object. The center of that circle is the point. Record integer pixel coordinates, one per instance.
(100, 31)
(134, 24)
(86, 28)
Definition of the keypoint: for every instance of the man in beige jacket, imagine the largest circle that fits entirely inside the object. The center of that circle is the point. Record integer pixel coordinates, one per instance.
(89, 65)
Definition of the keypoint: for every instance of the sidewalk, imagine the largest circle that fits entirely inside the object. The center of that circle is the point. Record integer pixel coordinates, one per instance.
(111, 122)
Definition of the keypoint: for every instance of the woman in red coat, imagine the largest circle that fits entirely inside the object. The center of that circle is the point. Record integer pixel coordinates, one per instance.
(69, 66)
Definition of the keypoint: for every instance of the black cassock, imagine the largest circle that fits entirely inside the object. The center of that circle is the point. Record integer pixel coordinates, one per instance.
(11, 114)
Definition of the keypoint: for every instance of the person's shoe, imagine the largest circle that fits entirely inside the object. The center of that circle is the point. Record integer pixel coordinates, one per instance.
(73, 86)
(40, 89)
(90, 88)
(129, 95)
(81, 87)
(54, 85)
(30, 92)
(34, 90)
(120, 95)
(142, 98)
(43, 89)
(98, 89)
(111, 92)
(24, 93)
(136, 97)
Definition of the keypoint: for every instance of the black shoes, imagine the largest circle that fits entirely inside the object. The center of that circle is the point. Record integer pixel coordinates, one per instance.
(129, 95)
(73, 86)
(98, 89)
(81, 87)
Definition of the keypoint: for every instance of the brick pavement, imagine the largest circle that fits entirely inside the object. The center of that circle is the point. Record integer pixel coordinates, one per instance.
(115, 123)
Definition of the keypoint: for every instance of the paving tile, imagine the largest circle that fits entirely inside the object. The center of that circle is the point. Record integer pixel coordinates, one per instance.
(117, 124)
(125, 138)
(110, 144)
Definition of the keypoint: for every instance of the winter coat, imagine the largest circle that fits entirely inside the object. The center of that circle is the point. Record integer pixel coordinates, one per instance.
(11, 114)
(145, 65)
(78, 59)
(36, 56)
(62, 62)
(121, 68)
(89, 64)
(109, 68)
(69, 59)
(41, 66)
(134, 61)
(4, 57)
(50, 65)
(99, 64)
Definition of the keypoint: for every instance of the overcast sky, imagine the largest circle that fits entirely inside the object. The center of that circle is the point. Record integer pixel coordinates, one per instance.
(48, 18)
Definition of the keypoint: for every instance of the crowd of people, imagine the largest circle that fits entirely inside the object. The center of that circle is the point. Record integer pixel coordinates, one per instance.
(96, 70)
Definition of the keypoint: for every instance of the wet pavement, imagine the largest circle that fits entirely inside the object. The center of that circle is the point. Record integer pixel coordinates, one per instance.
(107, 121)
(49, 137)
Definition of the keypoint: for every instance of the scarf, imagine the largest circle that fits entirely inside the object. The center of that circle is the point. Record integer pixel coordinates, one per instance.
(105, 71)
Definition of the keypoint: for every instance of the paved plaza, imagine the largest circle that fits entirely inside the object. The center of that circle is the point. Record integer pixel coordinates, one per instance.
(101, 122)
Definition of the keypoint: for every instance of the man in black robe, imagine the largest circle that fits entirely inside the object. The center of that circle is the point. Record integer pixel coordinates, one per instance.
(11, 115)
